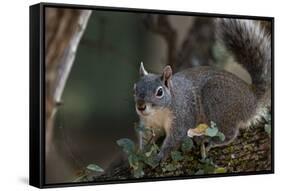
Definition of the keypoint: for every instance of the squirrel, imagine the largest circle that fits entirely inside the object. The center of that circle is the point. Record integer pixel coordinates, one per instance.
(178, 102)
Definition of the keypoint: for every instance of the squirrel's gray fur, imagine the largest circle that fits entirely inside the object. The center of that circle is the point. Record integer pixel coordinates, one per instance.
(204, 94)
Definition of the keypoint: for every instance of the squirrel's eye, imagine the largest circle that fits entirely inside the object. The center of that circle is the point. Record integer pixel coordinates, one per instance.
(159, 92)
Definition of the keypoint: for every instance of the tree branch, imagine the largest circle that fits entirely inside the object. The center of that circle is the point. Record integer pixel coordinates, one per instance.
(160, 25)
(250, 152)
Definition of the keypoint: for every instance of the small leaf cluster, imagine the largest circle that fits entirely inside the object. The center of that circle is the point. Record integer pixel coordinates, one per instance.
(178, 156)
(84, 173)
(138, 158)
(207, 166)
(213, 131)
(267, 126)
(94, 168)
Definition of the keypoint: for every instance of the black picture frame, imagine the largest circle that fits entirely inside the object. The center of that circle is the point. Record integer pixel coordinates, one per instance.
(37, 93)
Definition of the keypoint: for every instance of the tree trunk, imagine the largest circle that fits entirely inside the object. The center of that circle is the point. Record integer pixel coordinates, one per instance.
(64, 29)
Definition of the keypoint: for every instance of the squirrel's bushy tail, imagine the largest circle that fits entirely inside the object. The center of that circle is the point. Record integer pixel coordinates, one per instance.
(251, 47)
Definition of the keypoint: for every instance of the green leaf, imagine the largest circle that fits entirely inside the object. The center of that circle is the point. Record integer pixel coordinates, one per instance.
(151, 161)
(152, 150)
(213, 124)
(140, 127)
(156, 147)
(212, 132)
(199, 172)
(80, 178)
(169, 168)
(187, 144)
(267, 117)
(138, 173)
(220, 170)
(189, 158)
(127, 144)
(176, 156)
(267, 129)
(208, 168)
(95, 168)
(148, 154)
(221, 136)
(133, 161)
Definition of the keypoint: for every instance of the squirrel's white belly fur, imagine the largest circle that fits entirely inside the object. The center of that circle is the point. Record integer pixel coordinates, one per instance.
(159, 118)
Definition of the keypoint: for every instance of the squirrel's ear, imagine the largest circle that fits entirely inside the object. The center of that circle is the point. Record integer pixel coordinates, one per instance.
(143, 72)
(167, 74)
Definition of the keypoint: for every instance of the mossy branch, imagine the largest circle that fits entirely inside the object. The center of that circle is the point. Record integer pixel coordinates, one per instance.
(250, 152)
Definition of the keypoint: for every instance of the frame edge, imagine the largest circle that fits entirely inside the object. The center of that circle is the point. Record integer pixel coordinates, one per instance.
(35, 165)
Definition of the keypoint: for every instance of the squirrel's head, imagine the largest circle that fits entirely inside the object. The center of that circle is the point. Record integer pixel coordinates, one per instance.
(152, 91)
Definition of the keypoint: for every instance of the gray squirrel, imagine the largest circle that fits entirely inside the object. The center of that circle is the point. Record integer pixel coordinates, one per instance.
(179, 102)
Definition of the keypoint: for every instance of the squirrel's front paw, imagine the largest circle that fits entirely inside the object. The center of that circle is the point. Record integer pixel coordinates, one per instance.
(161, 157)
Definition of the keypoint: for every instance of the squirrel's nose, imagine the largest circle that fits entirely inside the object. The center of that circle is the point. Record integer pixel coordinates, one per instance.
(141, 105)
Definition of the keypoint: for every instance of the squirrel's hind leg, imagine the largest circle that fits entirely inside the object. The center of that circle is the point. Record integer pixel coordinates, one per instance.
(229, 138)
(205, 146)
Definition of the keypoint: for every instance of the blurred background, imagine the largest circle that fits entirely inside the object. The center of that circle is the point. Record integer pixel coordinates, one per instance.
(97, 105)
